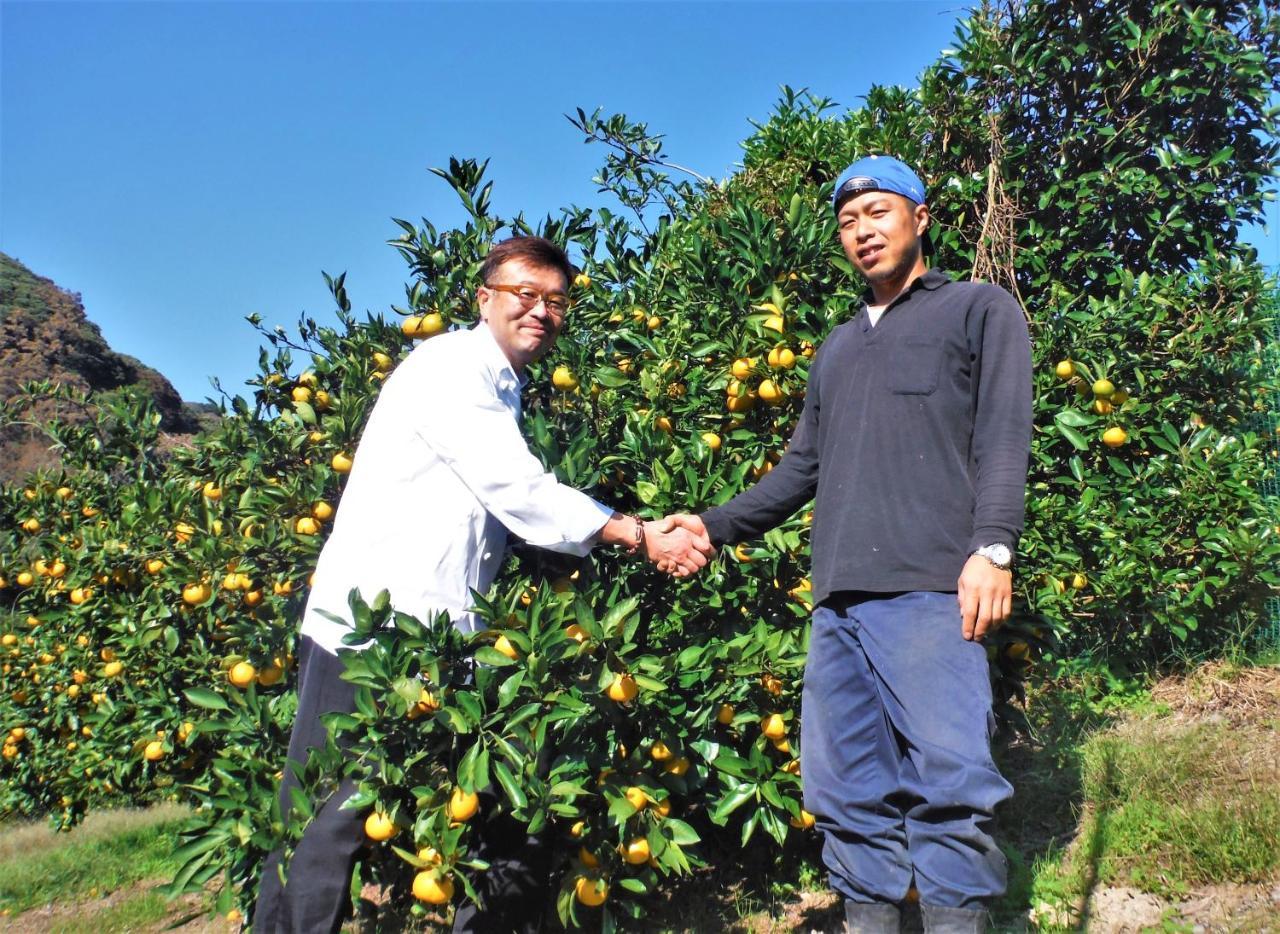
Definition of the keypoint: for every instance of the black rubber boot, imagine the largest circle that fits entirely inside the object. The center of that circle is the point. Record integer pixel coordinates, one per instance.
(870, 918)
(954, 920)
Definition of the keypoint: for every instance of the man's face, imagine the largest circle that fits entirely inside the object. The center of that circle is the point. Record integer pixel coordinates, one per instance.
(880, 232)
(523, 332)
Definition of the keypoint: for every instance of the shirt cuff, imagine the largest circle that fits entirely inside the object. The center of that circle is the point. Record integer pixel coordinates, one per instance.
(992, 536)
(718, 526)
(582, 528)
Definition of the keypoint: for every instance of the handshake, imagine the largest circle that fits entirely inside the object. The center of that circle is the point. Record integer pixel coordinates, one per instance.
(678, 544)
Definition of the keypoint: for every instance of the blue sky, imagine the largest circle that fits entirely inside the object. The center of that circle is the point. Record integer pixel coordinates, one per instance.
(182, 165)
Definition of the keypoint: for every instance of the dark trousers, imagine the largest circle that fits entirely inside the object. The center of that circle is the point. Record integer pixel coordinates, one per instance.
(317, 894)
(896, 727)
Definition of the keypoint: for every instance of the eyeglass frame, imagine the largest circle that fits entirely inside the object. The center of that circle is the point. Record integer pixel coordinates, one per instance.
(538, 296)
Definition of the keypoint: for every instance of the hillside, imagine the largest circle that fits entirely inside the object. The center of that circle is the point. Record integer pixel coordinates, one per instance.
(45, 334)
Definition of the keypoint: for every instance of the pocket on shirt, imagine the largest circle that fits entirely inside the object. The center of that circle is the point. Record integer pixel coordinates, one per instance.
(913, 366)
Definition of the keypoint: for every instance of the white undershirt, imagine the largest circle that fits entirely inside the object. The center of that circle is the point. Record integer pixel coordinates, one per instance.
(875, 311)
(441, 474)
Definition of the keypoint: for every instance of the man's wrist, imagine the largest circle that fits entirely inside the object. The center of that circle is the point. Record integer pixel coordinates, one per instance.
(626, 531)
(998, 554)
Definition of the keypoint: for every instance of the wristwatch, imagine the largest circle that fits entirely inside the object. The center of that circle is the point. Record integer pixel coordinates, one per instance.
(1000, 555)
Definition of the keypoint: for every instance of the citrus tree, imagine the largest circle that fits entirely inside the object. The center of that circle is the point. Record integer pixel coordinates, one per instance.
(648, 726)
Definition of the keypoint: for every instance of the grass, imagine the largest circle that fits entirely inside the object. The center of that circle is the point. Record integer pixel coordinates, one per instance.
(1178, 787)
(108, 851)
(1175, 808)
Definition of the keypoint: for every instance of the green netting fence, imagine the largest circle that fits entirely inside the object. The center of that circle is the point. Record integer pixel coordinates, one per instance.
(1268, 635)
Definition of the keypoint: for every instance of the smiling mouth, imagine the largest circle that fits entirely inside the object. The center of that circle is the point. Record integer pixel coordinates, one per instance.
(868, 253)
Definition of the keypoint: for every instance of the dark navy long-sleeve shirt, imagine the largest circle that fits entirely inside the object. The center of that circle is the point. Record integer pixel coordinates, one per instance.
(914, 440)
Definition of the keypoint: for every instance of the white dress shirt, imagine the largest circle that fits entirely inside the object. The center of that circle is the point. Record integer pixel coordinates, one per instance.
(441, 474)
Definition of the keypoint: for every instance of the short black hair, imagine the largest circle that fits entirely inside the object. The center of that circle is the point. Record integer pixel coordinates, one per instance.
(537, 251)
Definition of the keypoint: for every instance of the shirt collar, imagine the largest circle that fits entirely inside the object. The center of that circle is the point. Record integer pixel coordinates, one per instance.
(497, 360)
(930, 280)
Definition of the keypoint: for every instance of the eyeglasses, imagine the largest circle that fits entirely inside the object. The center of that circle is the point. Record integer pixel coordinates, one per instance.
(556, 303)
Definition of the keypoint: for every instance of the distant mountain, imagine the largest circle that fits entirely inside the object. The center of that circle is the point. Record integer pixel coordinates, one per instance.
(44, 334)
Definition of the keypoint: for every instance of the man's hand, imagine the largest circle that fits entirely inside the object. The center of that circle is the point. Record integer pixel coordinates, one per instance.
(986, 596)
(678, 545)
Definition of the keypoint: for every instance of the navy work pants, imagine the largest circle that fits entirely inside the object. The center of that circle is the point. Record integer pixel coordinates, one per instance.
(896, 732)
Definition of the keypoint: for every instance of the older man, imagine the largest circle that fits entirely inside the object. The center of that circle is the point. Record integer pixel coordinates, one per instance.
(441, 476)
(915, 438)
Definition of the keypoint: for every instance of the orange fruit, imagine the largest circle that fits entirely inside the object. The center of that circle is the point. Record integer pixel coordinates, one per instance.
(622, 689)
(242, 674)
(463, 804)
(196, 593)
(773, 726)
(563, 379)
(804, 821)
(379, 827)
(591, 892)
(637, 851)
(432, 888)
(420, 327)
(677, 766)
(770, 392)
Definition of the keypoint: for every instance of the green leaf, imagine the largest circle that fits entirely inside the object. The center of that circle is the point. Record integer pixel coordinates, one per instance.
(731, 801)
(679, 832)
(509, 689)
(488, 655)
(203, 697)
(1077, 440)
(305, 412)
(1072, 418)
(509, 785)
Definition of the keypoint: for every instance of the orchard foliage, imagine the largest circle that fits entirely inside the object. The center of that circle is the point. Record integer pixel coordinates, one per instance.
(1096, 158)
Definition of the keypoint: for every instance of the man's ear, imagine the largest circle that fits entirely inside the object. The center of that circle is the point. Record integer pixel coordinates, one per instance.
(922, 219)
(483, 297)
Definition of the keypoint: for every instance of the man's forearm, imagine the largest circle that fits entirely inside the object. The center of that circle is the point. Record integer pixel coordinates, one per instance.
(754, 511)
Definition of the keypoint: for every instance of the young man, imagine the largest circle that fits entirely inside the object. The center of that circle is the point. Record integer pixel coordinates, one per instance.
(915, 438)
(441, 475)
